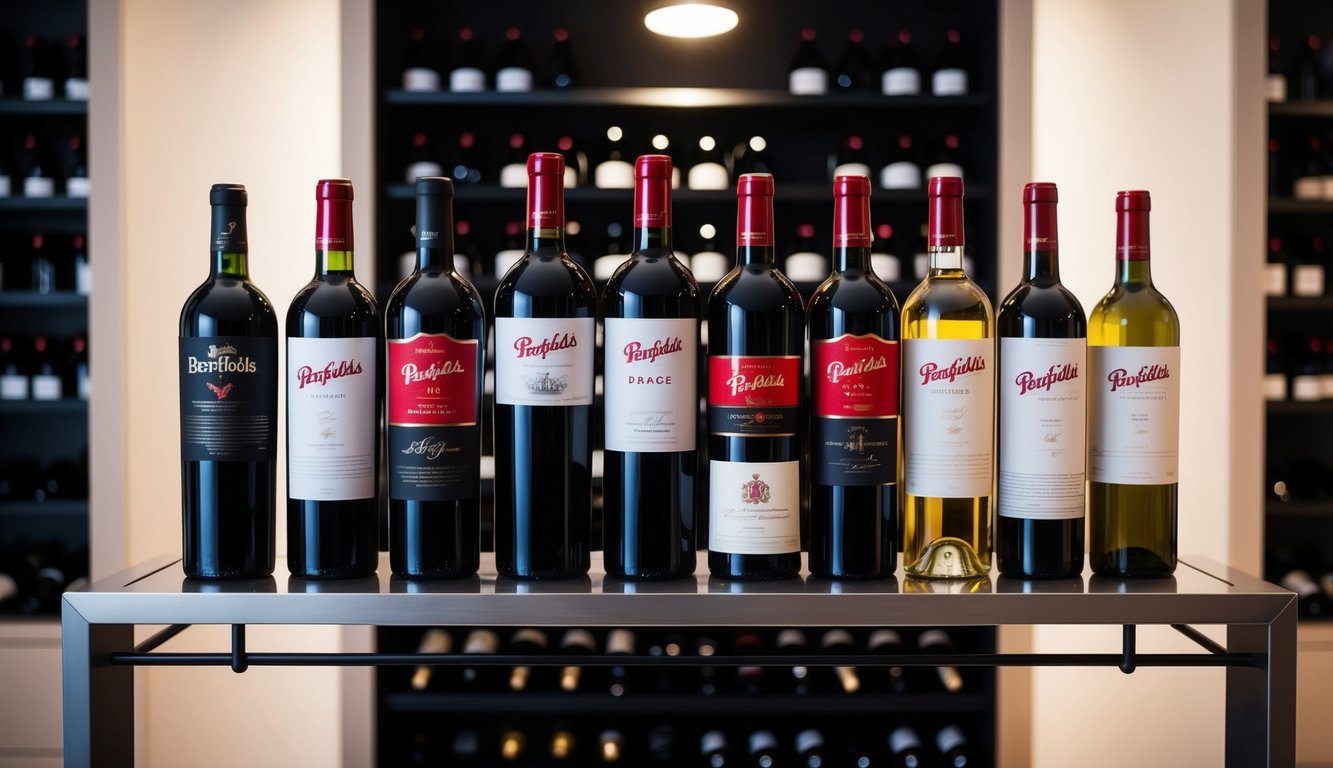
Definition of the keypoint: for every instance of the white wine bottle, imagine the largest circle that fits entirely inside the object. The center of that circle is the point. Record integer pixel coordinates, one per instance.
(1134, 411)
(948, 405)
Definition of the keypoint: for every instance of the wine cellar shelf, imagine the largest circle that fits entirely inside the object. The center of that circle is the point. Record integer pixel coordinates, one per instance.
(1259, 652)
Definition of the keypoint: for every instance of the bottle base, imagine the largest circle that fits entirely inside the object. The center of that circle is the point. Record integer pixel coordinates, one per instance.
(1133, 563)
(948, 558)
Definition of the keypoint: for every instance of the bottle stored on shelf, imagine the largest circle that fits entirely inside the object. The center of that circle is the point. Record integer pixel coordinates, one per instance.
(33, 168)
(561, 70)
(948, 397)
(1275, 84)
(651, 304)
(545, 328)
(76, 168)
(514, 66)
(1306, 74)
(229, 408)
(468, 73)
(464, 166)
(851, 158)
(423, 160)
(435, 329)
(35, 69)
(808, 73)
(614, 170)
(1134, 411)
(901, 67)
(433, 640)
(854, 380)
(514, 173)
(1275, 373)
(756, 339)
(76, 68)
(1042, 408)
(1307, 275)
(528, 640)
(950, 77)
(335, 390)
(708, 169)
(421, 72)
(901, 171)
(884, 258)
(854, 70)
(1275, 269)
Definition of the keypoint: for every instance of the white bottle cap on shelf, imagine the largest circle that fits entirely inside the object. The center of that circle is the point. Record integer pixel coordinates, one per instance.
(571, 176)
(1308, 188)
(78, 186)
(808, 81)
(39, 186)
(467, 80)
(903, 739)
(605, 266)
(1275, 88)
(1275, 279)
(76, 89)
(38, 89)
(949, 737)
(809, 739)
(1303, 387)
(1308, 280)
(1275, 387)
(851, 169)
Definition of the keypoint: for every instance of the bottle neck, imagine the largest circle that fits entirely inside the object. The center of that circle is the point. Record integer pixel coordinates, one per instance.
(652, 213)
(944, 241)
(754, 231)
(652, 239)
(851, 231)
(333, 237)
(1132, 250)
(435, 233)
(546, 212)
(546, 239)
(230, 244)
(851, 258)
(1041, 243)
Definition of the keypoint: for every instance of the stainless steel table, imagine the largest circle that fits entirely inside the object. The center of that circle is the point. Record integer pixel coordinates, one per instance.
(1259, 658)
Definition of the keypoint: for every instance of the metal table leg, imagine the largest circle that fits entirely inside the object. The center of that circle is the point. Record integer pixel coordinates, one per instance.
(98, 697)
(1261, 701)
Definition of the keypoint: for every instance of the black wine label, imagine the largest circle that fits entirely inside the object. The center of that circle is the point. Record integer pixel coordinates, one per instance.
(855, 451)
(435, 463)
(229, 398)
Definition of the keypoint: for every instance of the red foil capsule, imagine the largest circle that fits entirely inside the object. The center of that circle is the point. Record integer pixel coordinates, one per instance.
(1131, 233)
(851, 212)
(754, 210)
(652, 191)
(333, 215)
(546, 190)
(1039, 227)
(945, 194)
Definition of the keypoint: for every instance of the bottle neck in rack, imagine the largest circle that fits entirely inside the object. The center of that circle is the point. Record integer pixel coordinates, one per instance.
(231, 264)
(946, 261)
(649, 239)
(755, 255)
(546, 239)
(851, 258)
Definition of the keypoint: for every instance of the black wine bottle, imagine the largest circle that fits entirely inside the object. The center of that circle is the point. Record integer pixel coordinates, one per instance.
(953, 746)
(808, 73)
(1042, 408)
(76, 68)
(526, 641)
(33, 168)
(651, 397)
(854, 388)
(756, 341)
(546, 315)
(562, 72)
(468, 73)
(35, 69)
(901, 66)
(435, 328)
(950, 78)
(421, 69)
(514, 66)
(229, 409)
(335, 390)
(854, 70)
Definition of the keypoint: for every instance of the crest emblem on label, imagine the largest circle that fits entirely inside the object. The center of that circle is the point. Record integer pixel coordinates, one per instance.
(755, 492)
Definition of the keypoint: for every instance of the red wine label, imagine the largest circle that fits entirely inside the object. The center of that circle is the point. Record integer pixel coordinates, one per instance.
(228, 398)
(332, 418)
(1043, 428)
(948, 417)
(433, 437)
(855, 430)
(544, 360)
(1134, 409)
(754, 395)
(651, 395)
(754, 508)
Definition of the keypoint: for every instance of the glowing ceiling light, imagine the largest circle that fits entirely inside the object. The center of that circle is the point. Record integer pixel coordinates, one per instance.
(691, 19)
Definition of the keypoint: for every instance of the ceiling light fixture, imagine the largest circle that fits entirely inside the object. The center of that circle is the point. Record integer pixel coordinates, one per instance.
(690, 19)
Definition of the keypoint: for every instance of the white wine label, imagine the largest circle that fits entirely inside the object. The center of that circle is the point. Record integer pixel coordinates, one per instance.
(903, 174)
(421, 79)
(851, 169)
(332, 418)
(1134, 415)
(901, 81)
(651, 391)
(13, 387)
(1308, 280)
(754, 508)
(613, 174)
(948, 417)
(76, 89)
(46, 388)
(39, 186)
(511, 79)
(808, 81)
(38, 89)
(79, 186)
(544, 360)
(1305, 388)
(1275, 279)
(467, 80)
(949, 82)
(707, 176)
(1043, 428)
(1275, 386)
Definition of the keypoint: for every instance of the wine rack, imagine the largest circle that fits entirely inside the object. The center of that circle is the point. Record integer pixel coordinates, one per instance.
(732, 88)
(44, 284)
(1298, 492)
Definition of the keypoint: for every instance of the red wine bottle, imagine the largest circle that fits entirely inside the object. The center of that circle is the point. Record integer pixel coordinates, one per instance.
(545, 327)
(561, 70)
(1042, 408)
(854, 388)
(435, 327)
(229, 409)
(335, 353)
(756, 339)
(651, 398)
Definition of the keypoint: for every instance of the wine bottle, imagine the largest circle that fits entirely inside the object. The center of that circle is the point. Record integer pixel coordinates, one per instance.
(37, 179)
(706, 647)
(433, 641)
(562, 72)
(13, 371)
(468, 74)
(76, 68)
(545, 328)
(562, 744)
(950, 78)
(1275, 373)
(764, 752)
(901, 67)
(45, 382)
(808, 73)
(335, 390)
(1275, 269)
(906, 748)
(901, 171)
(481, 642)
(435, 327)
(854, 416)
(83, 273)
(756, 339)
(419, 70)
(750, 677)
(884, 260)
(574, 642)
(527, 641)
(613, 254)
(1275, 84)
(954, 751)
(708, 263)
(76, 169)
(464, 164)
(613, 169)
(713, 749)
(709, 170)
(948, 401)
(35, 69)
(514, 66)
(850, 159)
(610, 746)
(422, 161)
(1042, 413)
(811, 751)
(619, 642)
(229, 409)
(514, 173)
(792, 642)
(512, 745)
(853, 71)
(804, 263)
(1134, 411)
(1306, 74)
(42, 265)
(1307, 381)
(839, 642)
(888, 642)
(576, 162)
(651, 395)
(1308, 180)
(1277, 171)
(1307, 276)
(946, 159)
(937, 642)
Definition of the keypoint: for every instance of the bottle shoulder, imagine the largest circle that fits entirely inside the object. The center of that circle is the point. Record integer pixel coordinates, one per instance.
(333, 296)
(652, 276)
(750, 286)
(434, 293)
(1041, 302)
(1133, 314)
(546, 276)
(951, 298)
(219, 302)
(853, 291)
